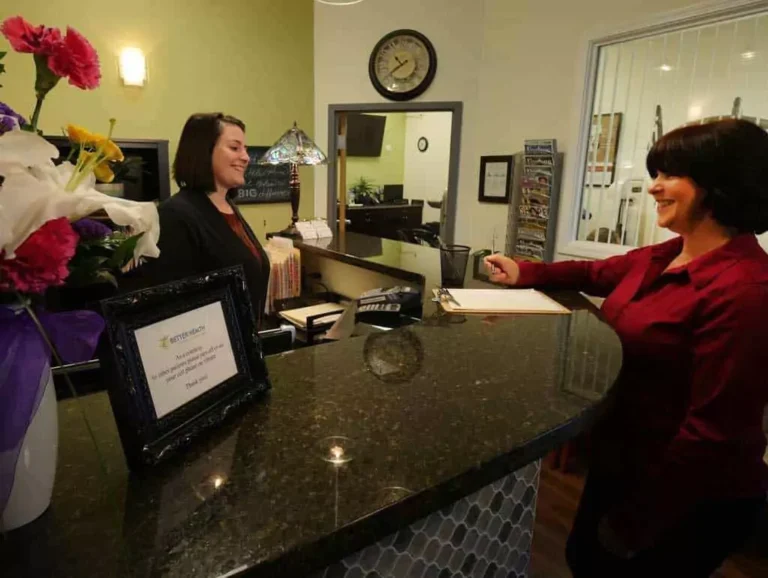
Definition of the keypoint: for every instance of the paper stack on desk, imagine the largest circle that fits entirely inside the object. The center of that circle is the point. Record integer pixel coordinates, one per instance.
(315, 229)
(499, 301)
(322, 314)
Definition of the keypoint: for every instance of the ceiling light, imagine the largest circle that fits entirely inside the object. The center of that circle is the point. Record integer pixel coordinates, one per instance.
(665, 68)
(748, 55)
(695, 111)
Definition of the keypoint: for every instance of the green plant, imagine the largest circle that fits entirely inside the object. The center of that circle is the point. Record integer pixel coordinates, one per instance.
(364, 192)
(127, 171)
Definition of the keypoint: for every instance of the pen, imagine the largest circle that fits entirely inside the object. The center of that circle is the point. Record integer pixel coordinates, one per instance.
(492, 268)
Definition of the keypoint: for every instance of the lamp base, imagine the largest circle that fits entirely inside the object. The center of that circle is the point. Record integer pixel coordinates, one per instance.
(290, 232)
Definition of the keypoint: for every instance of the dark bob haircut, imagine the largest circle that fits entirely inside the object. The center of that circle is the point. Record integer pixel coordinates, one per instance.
(728, 160)
(192, 167)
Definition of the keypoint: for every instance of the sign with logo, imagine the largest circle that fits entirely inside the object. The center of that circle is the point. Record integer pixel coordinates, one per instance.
(184, 355)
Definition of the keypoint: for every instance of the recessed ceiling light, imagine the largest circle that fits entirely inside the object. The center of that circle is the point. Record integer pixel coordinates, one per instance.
(748, 55)
(665, 68)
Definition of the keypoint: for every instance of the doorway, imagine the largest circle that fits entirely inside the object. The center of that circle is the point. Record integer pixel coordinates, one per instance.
(400, 165)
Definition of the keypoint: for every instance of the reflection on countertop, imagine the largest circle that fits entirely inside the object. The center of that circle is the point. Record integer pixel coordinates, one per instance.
(430, 413)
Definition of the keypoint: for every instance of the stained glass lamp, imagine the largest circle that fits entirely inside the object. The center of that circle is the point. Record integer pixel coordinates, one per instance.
(294, 148)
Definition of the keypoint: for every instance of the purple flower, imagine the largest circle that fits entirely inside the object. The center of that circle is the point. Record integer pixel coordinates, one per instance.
(6, 124)
(89, 229)
(7, 111)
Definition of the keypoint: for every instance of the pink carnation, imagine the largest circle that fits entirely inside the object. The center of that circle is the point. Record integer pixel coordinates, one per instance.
(77, 60)
(41, 261)
(27, 38)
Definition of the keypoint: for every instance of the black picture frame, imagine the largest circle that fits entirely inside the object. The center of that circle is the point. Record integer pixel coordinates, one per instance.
(146, 438)
(484, 195)
(418, 90)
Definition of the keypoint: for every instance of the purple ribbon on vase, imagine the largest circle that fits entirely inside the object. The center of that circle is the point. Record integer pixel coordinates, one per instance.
(24, 363)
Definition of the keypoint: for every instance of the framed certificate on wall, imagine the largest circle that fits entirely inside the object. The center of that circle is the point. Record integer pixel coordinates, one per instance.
(184, 355)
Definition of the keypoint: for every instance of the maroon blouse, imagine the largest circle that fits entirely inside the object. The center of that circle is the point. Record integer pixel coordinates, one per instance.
(687, 421)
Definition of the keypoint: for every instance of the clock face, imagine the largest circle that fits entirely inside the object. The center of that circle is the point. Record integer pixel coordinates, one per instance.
(402, 65)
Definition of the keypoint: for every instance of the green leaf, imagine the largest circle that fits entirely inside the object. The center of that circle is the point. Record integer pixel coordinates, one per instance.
(104, 276)
(87, 262)
(124, 252)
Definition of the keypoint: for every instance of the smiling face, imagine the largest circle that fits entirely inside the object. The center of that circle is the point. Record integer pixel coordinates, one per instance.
(230, 158)
(679, 205)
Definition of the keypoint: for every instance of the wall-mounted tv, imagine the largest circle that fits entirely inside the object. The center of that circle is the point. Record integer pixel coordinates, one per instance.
(365, 135)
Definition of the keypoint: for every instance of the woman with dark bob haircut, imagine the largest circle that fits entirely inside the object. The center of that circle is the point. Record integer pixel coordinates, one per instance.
(677, 479)
(201, 230)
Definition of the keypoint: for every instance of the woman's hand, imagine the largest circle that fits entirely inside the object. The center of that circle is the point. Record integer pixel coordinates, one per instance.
(502, 269)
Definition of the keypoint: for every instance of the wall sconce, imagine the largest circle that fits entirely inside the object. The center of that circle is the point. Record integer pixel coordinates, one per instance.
(133, 67)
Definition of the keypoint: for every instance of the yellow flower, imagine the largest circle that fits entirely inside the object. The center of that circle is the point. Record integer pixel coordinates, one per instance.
(102, 171)
(79, 135)
(111, 151)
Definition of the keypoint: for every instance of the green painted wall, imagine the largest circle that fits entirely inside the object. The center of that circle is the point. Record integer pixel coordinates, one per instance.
(389, 168)
(249, 58)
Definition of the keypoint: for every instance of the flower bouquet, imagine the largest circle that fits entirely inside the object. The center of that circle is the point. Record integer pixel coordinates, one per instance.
(46, 239)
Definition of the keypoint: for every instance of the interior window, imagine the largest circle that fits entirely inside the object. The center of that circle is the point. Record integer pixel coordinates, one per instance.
(650, 85)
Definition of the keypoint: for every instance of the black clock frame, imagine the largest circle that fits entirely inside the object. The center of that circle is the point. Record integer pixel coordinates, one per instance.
(421, 88)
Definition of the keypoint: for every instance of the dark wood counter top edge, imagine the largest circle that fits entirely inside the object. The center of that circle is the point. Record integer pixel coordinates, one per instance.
(409, 276)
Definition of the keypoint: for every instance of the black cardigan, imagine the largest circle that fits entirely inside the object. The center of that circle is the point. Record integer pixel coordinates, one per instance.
(195, 238)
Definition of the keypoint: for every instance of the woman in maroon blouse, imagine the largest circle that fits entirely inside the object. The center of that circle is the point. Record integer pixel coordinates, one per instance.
(677, 478)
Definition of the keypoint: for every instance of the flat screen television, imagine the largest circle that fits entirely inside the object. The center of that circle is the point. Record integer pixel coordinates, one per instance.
(365, 134)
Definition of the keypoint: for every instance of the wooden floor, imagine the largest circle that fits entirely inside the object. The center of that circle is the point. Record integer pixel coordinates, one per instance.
(558, 497)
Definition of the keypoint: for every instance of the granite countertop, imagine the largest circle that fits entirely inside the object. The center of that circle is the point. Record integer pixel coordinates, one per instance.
(430, 413)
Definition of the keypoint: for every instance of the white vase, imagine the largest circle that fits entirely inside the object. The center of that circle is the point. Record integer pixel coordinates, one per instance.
(36, 465)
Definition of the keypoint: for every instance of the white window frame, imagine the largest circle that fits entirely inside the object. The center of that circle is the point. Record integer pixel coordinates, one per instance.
(702, 14)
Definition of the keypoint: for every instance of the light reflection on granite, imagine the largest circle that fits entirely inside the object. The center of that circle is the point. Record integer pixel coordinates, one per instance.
(484, 397)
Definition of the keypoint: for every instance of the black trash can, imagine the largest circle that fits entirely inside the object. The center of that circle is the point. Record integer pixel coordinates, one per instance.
(453, 265)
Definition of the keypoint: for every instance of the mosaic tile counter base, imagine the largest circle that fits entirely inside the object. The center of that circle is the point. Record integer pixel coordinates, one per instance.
(485, 535)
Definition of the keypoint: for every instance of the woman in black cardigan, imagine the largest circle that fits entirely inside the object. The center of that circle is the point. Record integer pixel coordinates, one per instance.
(201, 230)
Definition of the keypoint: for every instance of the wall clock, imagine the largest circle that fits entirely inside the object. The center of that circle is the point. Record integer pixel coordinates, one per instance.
(402, 65)
(423, 144)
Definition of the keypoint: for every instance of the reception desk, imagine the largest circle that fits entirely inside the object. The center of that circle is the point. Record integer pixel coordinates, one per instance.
(408, 452)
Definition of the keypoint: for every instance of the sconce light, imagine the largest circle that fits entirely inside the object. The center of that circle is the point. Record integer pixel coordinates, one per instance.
(133, 67)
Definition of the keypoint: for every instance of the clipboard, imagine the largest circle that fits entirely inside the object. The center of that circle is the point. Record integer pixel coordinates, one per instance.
(500, 302)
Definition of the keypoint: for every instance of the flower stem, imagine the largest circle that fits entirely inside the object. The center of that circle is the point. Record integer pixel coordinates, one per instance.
(36, 114)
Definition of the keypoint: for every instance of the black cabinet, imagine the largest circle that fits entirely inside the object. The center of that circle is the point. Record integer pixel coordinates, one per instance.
(383, 220)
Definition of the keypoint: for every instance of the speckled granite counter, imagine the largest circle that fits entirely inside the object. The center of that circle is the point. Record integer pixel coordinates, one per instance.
(435, 413)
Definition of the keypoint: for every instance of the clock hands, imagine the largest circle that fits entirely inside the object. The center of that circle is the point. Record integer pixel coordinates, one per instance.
(399, 66)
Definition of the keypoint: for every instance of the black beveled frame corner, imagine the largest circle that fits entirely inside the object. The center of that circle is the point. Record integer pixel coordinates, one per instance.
(484, 160)
(146, 439)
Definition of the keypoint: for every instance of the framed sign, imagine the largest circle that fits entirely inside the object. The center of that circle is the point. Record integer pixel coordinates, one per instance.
(184, 355)
(263, 183)
(495, 179)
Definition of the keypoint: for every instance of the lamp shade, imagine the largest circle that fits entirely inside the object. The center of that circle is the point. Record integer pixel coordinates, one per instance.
(294, 148)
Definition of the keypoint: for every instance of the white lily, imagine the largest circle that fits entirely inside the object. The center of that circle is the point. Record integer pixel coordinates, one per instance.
(20, 149)
(33, 194)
